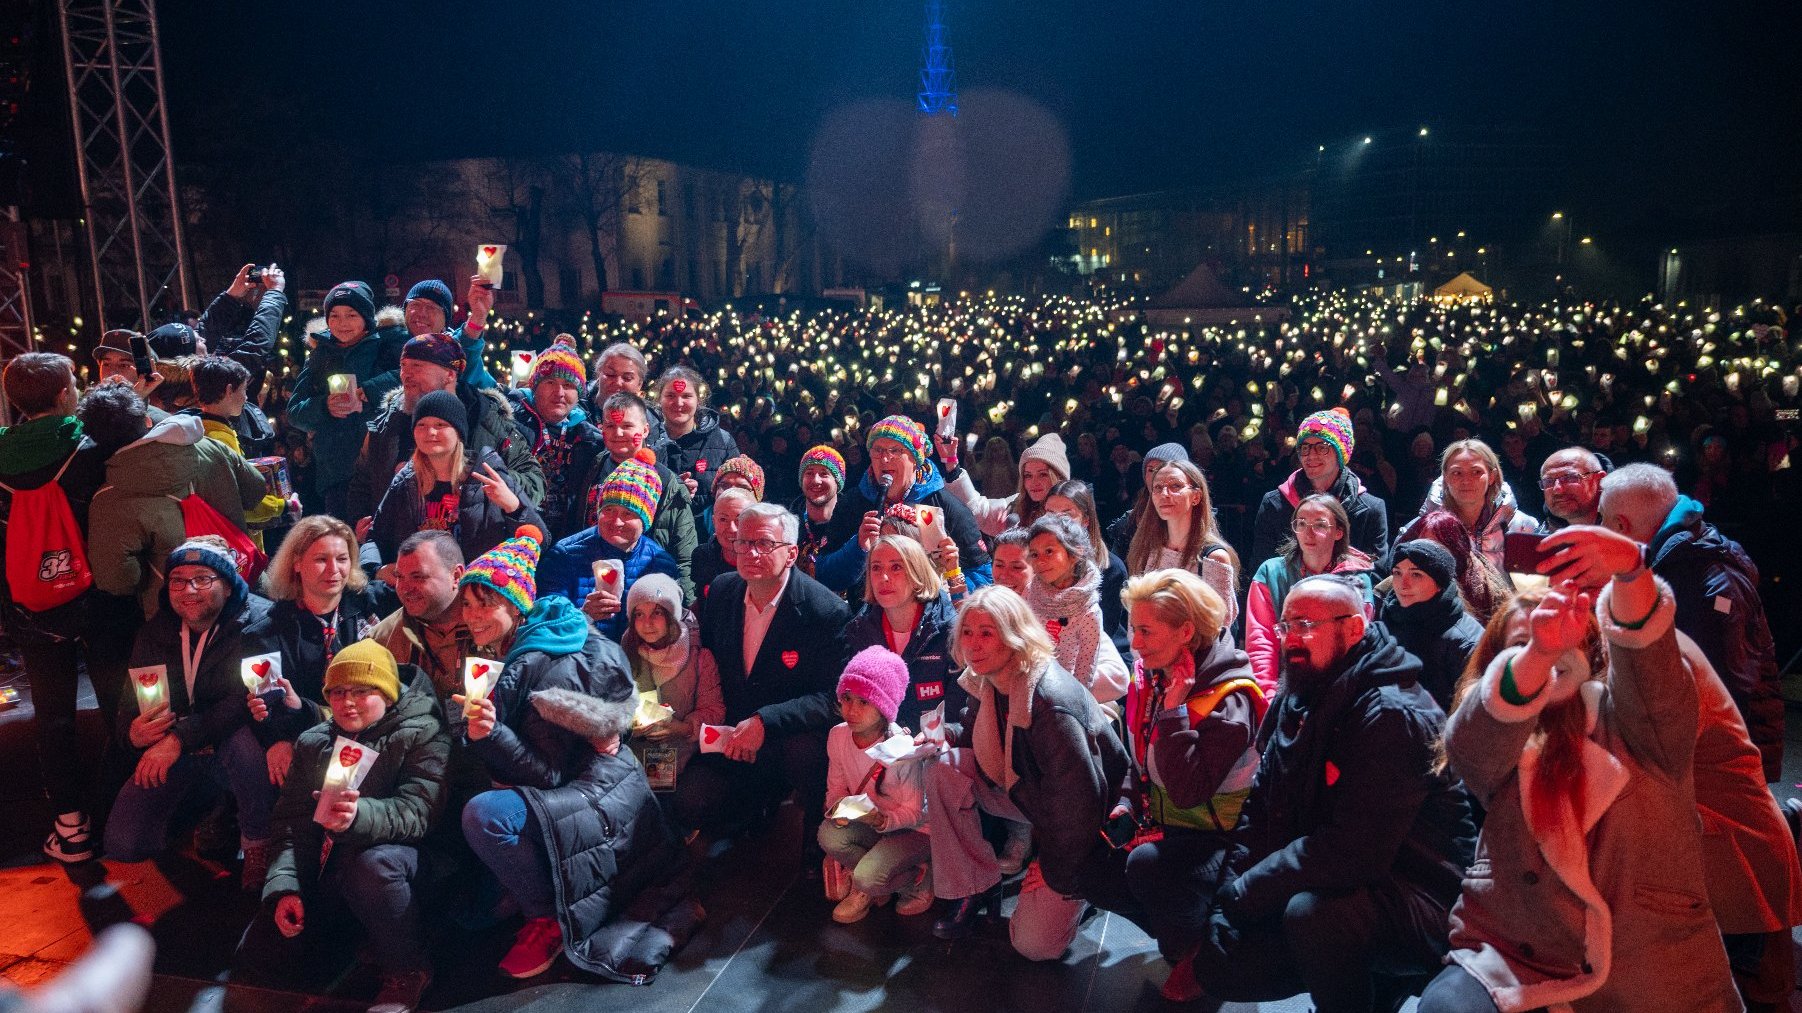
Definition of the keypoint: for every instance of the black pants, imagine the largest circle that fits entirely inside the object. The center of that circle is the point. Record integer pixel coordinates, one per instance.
(1175, 879)
(51, 672)
(1455, 991)
(374, 888)
(724, 796)
(1328, 945)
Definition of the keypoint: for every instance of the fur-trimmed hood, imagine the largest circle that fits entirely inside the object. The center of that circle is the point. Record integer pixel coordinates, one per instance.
(590, 717)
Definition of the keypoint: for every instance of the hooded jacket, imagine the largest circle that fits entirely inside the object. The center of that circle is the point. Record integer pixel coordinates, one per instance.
(272, 506)
(479, 525)
(1193, 768)
(707, 442)
(375, 360)
(1498, 519)
(565, 454)
(555, 648)
(1264, 606)
(1369, 515)
(567, 571)
(1346, 794)
(399, 802)
(1718, 605)
(931, 674)
(134, 521)
(841, 568)
(31, 455)
(1073, 618)
(1439, 633)
(672, 523)
(389, 444)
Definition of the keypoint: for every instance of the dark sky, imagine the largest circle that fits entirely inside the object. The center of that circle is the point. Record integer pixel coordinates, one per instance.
(1651, 103)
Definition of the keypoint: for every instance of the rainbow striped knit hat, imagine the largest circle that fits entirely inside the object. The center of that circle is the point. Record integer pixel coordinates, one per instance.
(508, 569)
(742, 465)
(559, 362)
(635, 485)
(827, 458)
(905, 431)
(1334, 427)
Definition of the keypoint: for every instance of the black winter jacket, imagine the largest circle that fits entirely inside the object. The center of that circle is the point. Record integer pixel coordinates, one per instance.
(288, 628)
(566, 465)
(931, 674)
(480, 525)
(389, 444)
(705, 442)
(244, 333)
(793, 683)
(217, 706)
(1346, 794)
(527, 750)
(1369, 516)
(1439, 633)
(399, 802)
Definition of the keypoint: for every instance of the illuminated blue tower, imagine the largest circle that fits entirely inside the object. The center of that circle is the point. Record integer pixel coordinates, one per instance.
(938, 79)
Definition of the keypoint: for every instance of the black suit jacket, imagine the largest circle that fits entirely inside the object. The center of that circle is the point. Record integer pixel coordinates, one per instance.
(793, 682)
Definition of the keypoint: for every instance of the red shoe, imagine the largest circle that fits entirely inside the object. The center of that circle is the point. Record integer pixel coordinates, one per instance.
(535, 949)
(1181, 986)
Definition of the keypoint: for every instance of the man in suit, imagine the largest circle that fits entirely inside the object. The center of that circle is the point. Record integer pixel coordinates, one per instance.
(777, 636)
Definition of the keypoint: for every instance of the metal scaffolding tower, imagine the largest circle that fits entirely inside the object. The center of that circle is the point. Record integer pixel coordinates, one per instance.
(131, 218)
(938, 79)
(15, 301)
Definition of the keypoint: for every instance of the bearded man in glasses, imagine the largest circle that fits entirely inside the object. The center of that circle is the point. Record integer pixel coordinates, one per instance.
(1349, 855)
(1571, 481)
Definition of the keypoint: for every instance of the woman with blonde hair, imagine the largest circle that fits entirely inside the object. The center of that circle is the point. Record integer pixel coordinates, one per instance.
(1470, 487)
(323, 603)
(907, 609)
(1034, 748)
(1180, 532)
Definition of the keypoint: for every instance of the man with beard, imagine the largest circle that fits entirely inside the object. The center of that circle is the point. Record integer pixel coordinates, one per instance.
(822, 476)
(1572, 482)
(1345, 865)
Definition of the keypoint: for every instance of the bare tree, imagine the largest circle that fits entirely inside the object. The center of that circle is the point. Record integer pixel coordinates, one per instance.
(601, 186)
(513, 193)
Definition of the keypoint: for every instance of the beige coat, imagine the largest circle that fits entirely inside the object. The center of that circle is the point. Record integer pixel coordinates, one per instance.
(1612, 915)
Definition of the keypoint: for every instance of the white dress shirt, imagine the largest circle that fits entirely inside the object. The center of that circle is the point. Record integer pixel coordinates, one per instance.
(757, 621)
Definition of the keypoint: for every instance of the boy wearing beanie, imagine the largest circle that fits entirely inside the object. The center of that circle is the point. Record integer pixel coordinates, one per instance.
(360, 858)
(338, 419)
(1323, 447)
(886, 850)
(628, 503)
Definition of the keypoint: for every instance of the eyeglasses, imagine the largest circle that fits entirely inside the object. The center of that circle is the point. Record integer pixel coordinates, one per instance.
(204, 582)
(1306, 627)
(758, 546)
(1172, 489)
(1318, 527)
(1308, 449)
(889, 452)
(1565, 480)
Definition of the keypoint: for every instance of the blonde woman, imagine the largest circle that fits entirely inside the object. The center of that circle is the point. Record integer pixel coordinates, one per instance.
(442, 488)
(1470, 487)
(1180, 533)
(1034, 748)
(908, 610)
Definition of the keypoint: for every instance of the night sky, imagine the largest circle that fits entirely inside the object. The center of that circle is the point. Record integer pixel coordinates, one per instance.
(1654, 104)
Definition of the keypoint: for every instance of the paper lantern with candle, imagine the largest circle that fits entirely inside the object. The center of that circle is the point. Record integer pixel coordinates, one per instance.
(261, 673)
(151, 683)
(341, 383)
(345, 769)
(488, 263)
(522, 367)
(610, 576)
(932, 528)
(478, 679)
(947, 417)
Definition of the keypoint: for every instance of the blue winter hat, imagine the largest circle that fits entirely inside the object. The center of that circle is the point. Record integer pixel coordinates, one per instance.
(211, 552)
(437, 292)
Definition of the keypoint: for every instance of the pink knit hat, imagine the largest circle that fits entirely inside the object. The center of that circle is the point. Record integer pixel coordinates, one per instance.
(878, 675)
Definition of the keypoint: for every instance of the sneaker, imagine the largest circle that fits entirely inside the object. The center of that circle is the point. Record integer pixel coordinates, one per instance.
(400, 992)
(71, 840)
(534, 950)
(1181, 986)
(852, 909)
(256, 866)
(915, 899)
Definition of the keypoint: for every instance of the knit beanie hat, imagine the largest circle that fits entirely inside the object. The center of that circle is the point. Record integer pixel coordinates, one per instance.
(878, 675)
(1049, 449)
(559, 362)
(826, 457)
(365, 663)
(442, 404)
(742, 465)
(508, 569)
(437, 349)
(1434, 560)
(657, 589)
(173, 340)
(908, 433)
(635, 485)
(212, 552)
(1167, 453)
(1334, 426)
(437, 292)
(354, 294)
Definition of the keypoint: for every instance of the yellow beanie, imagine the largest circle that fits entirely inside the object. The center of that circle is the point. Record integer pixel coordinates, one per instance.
(365, 663)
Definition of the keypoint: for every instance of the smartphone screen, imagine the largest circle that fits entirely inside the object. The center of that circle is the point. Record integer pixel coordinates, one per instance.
(140, 356)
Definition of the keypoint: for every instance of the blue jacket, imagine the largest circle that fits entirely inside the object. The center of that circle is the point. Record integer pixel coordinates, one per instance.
(567, 571)
(841, 568)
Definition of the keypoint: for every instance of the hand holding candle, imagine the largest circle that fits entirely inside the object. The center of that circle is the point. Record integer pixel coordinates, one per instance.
(345, 767)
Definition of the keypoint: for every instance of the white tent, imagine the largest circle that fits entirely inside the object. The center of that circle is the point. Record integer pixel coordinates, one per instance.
(1464, 288)
(1201, 298)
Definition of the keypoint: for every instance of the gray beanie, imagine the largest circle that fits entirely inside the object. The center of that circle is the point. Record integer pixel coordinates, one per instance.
(1167, 453)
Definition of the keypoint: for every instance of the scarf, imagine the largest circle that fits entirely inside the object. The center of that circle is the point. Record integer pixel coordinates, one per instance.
(662, 664)
(995, 747)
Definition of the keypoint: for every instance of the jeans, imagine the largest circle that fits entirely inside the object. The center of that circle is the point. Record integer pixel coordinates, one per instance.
(375, 886)
(1175, 880)
(1327, 945)
(139, 825)
(880, 863)
(506, 837)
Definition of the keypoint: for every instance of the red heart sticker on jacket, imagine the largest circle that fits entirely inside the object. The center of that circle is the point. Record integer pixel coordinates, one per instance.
(147, 678)
(261, 668)
(349, 755)
(1332, 773)
(1056, 629)
(791, 658)
(491, 250)
(701, 466)
(710, 734)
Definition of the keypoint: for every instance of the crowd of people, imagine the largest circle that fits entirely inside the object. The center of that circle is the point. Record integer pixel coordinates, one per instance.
(1390, 650)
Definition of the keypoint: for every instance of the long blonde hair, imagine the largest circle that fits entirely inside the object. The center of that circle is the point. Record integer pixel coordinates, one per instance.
(1024, 635)
(425, 476)
(279, 581)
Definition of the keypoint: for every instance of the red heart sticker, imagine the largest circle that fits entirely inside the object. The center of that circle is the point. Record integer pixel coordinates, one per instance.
(945, 412)
(480, 670)
(1056, 629)
(701, 467)
(791, 658)
(349, 755)
(491, 250)
(616, 416)
(926, 517)
(610, 575)
(147, 678)
(1332, 773)
(678, 385)
(261, 668)
(710, 734)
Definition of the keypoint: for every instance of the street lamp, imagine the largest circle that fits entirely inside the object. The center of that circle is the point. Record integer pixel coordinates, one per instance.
(1563, 235)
